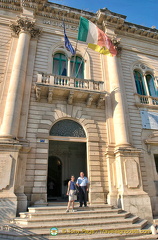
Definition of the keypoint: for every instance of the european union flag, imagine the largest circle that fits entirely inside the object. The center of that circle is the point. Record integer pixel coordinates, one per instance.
(68, 45)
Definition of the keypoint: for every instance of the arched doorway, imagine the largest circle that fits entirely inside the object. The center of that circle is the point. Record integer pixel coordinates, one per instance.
(67, 156)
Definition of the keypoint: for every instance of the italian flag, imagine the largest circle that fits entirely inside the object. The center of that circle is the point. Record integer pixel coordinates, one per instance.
(95, 38)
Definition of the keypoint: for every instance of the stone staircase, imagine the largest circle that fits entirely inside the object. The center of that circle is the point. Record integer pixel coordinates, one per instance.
(94, 221)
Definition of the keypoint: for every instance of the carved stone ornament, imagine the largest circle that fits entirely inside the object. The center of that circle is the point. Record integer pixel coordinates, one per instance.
(116, 43)
(25, 24)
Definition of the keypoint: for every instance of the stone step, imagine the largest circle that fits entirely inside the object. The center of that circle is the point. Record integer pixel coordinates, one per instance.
(125, 226)
(150, 237)
(106, 213)
(78, 220)
(45, 228)
(36, 223)
(26, 235)
(43, 233)
(68, 216)
(61, 208)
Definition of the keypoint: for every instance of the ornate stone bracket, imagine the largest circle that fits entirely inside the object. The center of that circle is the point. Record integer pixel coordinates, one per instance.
(70, 98)
(25, 24)
(89, 100)
(50, 96)
(100, 101)
(116, 43)
(38, 93)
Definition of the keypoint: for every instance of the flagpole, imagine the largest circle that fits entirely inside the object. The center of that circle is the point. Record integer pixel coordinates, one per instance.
(74, 57)
(81, 62)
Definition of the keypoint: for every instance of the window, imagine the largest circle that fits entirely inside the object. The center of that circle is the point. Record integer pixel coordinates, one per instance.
(156, 161)
(77, 67)
(60, 64)
(151, 85)
(67, 128)
(139, 83)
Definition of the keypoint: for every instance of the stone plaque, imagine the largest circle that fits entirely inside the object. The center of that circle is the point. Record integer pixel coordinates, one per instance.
(5, 170)
(149, 119)
(131, 173)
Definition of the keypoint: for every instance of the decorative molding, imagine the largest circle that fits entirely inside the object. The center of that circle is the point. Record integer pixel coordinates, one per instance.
(143, 67)
(71, 97)
(152, 139)
(100, 101)
(89, 100)
(50, 95)
(56, 11)
(116, 43)
(38, 93)
(13, 5)
(25, 24)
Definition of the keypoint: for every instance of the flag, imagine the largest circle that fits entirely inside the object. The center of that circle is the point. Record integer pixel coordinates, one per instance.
(95, 38)
(68, 45)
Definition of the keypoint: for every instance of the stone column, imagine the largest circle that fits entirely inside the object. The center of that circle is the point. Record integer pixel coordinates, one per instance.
(119, 115)
(125, 181)
(25, 29)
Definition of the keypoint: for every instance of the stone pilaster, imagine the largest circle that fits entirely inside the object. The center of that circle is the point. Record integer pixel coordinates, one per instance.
(12, 161)
(25, 29)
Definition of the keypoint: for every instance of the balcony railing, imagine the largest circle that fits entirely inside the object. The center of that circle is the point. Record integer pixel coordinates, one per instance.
(72, 90)
(63, 81)
(148, 101)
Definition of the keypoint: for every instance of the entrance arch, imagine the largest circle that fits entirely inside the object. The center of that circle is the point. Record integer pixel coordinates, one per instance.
(67, 128)
(67, 144)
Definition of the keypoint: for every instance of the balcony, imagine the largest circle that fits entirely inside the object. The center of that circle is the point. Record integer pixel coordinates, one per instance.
(146, 101)
(73, 90)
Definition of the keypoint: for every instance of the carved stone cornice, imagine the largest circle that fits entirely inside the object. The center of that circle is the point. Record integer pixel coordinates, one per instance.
(138, 30)
(25, 24)
(13, 5)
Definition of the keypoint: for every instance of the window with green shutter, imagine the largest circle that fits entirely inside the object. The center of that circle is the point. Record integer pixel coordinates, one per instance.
(60, 64)
(77, 67)
(139, 83)
(151, 85)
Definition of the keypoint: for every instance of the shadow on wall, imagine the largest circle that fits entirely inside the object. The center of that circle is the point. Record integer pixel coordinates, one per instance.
(12, 231)
(7, 209)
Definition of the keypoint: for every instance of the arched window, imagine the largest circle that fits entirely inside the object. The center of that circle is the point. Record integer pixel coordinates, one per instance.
(77, 67)
(139, 83)
(60, 64)
(151, 85)
(67, 128)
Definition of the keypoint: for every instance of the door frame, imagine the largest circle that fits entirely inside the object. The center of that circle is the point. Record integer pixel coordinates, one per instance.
(72, 139)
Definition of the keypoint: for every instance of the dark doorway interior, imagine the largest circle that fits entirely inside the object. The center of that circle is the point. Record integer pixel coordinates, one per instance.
(65, 159)
(54, 177)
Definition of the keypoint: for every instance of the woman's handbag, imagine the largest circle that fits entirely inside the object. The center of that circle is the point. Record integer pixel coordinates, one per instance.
(76, 192)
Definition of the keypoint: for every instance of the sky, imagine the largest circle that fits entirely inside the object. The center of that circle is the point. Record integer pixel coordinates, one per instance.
(141, 12)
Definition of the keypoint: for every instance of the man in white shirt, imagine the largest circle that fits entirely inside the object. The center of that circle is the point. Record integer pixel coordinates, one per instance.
(83, 184)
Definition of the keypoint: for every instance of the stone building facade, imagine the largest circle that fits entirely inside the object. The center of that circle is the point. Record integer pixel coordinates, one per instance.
(56, 121)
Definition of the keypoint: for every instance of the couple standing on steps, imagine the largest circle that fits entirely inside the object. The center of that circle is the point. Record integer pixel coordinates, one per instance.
(83, 184)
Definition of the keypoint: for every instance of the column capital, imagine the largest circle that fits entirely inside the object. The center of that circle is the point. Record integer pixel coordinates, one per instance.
(24, 24)
(116, 42)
